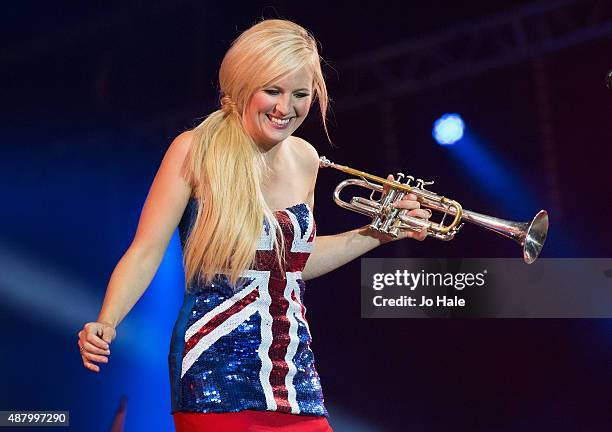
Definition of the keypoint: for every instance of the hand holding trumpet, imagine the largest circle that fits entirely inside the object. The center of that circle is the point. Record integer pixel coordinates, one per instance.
(410, 203)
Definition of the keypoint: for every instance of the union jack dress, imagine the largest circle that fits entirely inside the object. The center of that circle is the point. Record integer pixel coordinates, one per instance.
(243, 348)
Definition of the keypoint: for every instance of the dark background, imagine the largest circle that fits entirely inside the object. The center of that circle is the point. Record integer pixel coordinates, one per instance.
(91, 96)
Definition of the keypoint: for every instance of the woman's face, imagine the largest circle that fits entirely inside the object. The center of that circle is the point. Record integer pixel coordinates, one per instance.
(276, 111)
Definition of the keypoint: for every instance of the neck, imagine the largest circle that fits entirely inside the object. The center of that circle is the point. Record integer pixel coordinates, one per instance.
(270, 151)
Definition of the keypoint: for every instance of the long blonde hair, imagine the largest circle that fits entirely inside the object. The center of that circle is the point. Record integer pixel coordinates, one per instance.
(226, 167)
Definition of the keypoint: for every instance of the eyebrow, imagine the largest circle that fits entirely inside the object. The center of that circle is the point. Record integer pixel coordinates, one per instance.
(300, 89)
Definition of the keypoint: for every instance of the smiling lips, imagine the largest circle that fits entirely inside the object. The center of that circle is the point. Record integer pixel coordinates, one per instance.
(279, 123)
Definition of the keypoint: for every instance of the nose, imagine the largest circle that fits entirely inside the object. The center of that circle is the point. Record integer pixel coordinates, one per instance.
(283, 106)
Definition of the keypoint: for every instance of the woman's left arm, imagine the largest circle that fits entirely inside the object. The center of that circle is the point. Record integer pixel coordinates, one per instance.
(333, 251)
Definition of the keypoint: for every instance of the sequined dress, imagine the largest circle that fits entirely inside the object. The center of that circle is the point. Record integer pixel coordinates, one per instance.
(249, 348)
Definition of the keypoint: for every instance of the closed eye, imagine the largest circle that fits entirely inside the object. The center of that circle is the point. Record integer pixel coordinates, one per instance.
(301, 95)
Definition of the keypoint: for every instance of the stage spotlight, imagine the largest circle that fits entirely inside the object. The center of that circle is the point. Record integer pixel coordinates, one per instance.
(448, 129)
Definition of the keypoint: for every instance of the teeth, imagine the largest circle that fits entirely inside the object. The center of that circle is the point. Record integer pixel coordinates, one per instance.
(279, 121)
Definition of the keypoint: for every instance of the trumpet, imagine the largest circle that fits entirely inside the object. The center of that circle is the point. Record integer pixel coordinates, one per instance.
(390, 220)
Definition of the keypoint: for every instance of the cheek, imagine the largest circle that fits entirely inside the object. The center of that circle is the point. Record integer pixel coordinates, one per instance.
(303, 107)
(260, 103)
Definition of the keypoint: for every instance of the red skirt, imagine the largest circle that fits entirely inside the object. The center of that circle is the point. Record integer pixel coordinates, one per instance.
(249, 421)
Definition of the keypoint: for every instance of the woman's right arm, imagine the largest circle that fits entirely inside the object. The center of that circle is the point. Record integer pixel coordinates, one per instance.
(161, 213)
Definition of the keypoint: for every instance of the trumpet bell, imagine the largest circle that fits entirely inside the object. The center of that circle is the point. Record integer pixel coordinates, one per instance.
(535, 236)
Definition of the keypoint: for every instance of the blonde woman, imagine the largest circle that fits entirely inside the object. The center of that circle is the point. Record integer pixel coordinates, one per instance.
(240, 188)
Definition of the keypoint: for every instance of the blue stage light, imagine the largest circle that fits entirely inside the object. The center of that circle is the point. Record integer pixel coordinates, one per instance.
(448, 129)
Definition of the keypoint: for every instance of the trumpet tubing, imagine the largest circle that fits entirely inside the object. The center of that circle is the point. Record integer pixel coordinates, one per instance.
(390, 220)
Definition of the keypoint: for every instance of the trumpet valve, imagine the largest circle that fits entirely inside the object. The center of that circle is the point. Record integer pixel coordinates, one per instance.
(422, 183)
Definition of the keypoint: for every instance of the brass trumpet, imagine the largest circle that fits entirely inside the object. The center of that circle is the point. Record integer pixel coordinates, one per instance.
(390, 220)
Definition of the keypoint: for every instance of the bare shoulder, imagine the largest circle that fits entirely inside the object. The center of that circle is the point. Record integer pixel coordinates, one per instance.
(307, 155)
(182, 143)
(307, 159)
(177, 153)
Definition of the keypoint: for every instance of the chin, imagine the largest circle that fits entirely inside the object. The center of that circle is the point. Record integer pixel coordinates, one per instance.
(273, 140)
(278, 135)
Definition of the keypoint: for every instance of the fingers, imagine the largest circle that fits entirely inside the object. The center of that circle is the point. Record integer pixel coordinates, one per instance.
(92, 367)
(409, 204)
(92, 349)
(108, 334)
(420, 213)
(92, 330)
(409, 200)
(418, 235)
(96, 341)
(94, 358)
(93, 344)
(88, 358)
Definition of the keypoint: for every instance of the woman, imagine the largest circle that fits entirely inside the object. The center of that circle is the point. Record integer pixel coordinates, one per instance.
(240, 356)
